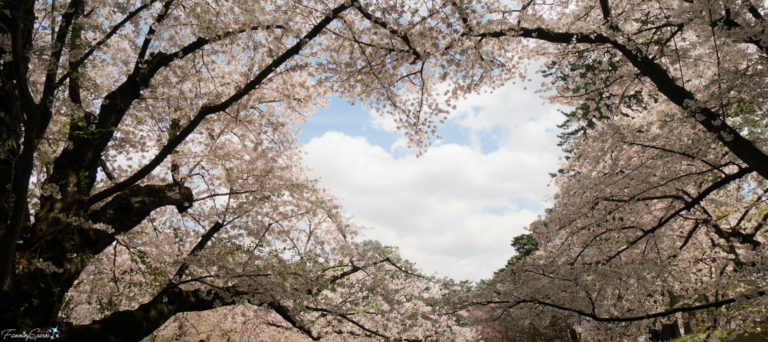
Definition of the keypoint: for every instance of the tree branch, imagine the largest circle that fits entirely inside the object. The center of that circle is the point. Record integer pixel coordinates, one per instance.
(129, 208)
(49, 85)
(731, 235)
(383, 24)
(196, 249)
(688, 206)
(754, 11)
(688, 308)
(134, 325)
(361, 326)
(151, 32)
(354, 269)
(680, 96)
(605, 7)
(663, 149)
(79, 62)
(76, 167)
(731, 24)
(17, 127)
(285, 313)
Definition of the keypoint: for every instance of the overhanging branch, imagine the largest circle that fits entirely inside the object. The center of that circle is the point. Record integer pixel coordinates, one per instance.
(618, 319)
(134, 325)
(665, 84)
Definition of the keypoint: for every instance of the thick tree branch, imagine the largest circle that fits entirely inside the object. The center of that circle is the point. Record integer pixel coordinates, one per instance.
(75, 169)
(36, 120)
(754, 11)
(680, 96)
(129, 208)
(84, 153)
(134, 325)
(18, 106)
(19, 22)
(75, 44)
(151, 32)
(605, 7)
(49, 85)
(383, 24)
(731, 24)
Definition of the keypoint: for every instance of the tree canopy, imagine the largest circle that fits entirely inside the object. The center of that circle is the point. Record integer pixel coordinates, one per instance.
(149, 163)
(660, 212)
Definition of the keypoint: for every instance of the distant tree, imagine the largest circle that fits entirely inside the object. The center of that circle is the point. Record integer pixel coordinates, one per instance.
(525, 245)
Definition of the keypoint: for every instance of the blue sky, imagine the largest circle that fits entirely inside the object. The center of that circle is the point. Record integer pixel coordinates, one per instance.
(355, 120)
(454, 210)
(345, 118)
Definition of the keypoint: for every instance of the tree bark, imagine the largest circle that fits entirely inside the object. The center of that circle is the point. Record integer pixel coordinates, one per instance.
(136, 324)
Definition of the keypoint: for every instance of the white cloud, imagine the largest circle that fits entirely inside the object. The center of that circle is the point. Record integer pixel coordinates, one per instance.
(399, 146)
(521, 114)
(383, 123)
(455, 209)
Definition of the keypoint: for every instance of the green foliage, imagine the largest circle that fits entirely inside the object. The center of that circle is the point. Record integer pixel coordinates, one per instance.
(596, 101)
(720, 335)
(525, 245)
(389, 250)
(461, 322)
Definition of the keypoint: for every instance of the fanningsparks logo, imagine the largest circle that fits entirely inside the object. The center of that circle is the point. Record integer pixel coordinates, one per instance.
(31, 335)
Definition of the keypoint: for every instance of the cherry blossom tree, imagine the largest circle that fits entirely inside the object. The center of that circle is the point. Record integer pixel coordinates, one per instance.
(660, 213)
(149, 166)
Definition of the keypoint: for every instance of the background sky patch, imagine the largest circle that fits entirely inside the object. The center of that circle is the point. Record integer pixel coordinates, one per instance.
(454, 210)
